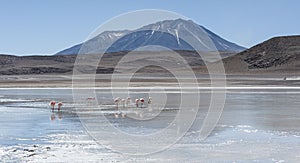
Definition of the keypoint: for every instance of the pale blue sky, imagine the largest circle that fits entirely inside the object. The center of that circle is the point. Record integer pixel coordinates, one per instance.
(48, 26)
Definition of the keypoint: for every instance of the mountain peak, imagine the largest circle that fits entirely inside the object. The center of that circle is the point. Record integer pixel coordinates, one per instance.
(169, 24)
(164, 33)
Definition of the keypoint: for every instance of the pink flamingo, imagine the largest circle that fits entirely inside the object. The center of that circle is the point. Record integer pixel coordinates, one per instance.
(117, 100)
(137, 102)
(59, 105)
(52, 104)
(142, 101)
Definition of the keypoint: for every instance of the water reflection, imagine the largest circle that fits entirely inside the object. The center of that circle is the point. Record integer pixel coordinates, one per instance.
(56, 114)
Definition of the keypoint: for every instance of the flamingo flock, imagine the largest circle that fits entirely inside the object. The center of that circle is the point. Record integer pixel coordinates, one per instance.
(53, 115)
(127, 103)
(59, 104)
(139, 102)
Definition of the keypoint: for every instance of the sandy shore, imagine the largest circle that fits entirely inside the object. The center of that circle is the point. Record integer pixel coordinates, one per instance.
(65, 81)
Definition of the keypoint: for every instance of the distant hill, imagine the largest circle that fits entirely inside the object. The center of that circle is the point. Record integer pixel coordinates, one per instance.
(278, 54)
(63, 64)
(165, 33)
(22, 65)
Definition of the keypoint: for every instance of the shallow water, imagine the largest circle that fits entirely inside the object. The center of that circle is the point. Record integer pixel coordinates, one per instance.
(256, 125)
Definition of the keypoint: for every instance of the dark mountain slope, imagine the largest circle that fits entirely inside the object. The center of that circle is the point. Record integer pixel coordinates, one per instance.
(276, 54)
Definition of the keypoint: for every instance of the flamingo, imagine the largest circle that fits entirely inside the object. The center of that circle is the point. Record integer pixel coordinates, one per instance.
(123, 115)
(149, 100)
(128, 101)
(52, 104)
(142, 101)
(117, 100)
(59, 105)
(123, 101)
(90, 98)
(137, 102)
(116, 115)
